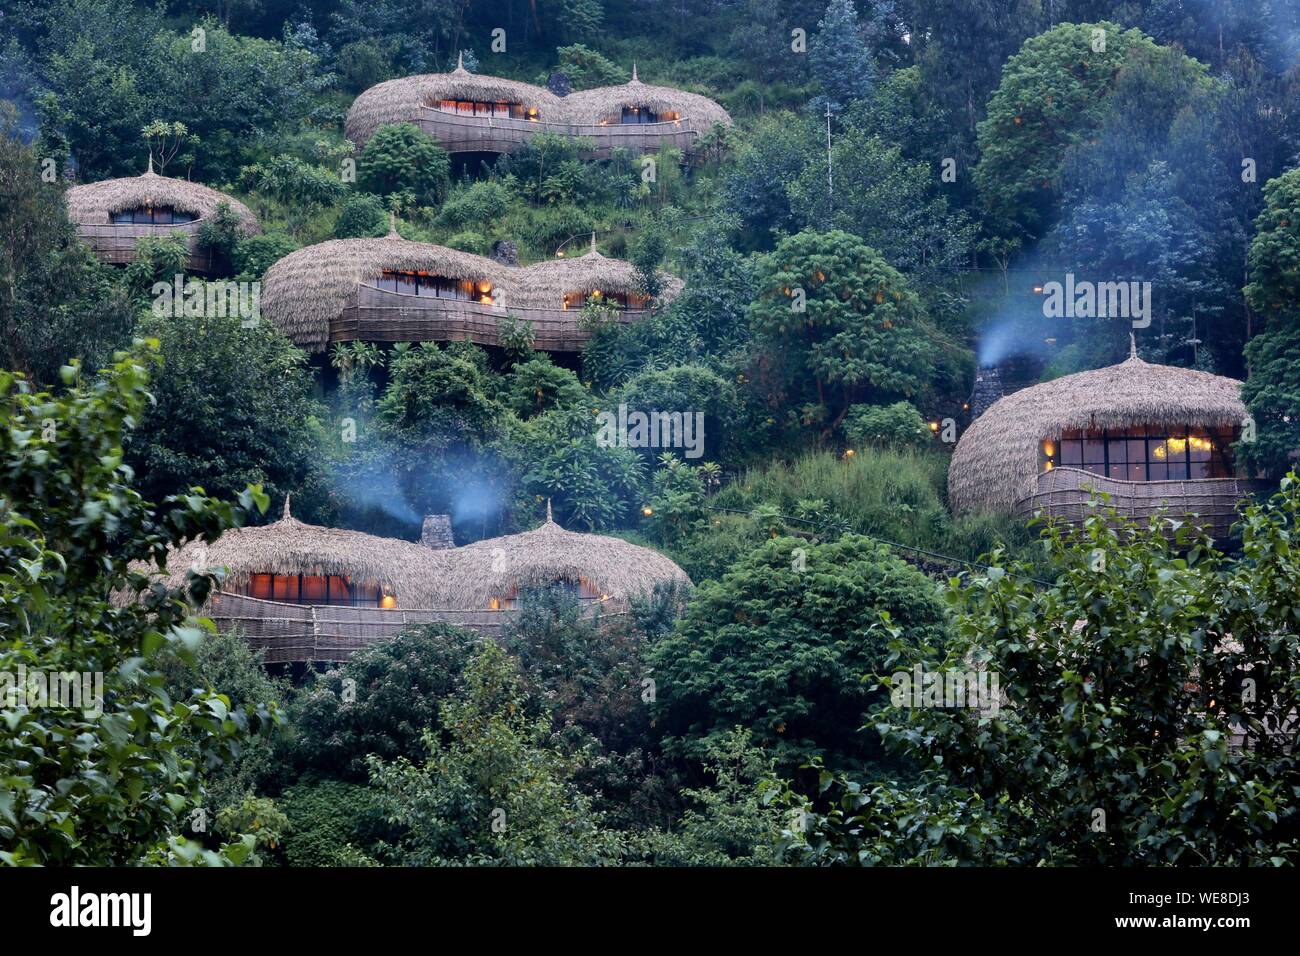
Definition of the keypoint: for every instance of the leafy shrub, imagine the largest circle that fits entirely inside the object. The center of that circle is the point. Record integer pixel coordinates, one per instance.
(785, 645)
(886, 426)
(399, 687)
(362, 215)
(255, 254)
(331, 823)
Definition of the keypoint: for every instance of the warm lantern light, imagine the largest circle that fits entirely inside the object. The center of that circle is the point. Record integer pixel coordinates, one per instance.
(1038, 289)
(388, 602)
(494, 604)
(1049, 449)
(647, 511)
(849, 453)
(934, 426)
(1050, 466)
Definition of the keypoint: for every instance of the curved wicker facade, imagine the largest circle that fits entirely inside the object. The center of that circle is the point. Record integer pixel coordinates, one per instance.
(1048, 447)
(475, 587)
(334, 292)
(94, 207)
(467, 112)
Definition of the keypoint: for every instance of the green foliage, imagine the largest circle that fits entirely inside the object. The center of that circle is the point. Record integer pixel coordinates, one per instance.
(226, 664)
(255, 254)
(401, 159)
(1054, 93)
(398, 686)
(729, 823)
(56, 301)
(157, 259)
(834, 315)
(362, 215)
(586, 68)
(556, 456)
(477, 205)
(838, 55)
(689, 389)
(495, 792)
(1274, 287)
(783, 644)
(539, 385)
(219, 235)
(331, 823)
(1125, 686)
(887, 426)
(259, 817)
(1272, 397)
(252, 392)
(300, 187)
(112, 779)
(112, 71)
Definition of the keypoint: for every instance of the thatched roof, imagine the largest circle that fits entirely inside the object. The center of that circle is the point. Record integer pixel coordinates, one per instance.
(306, 289)
(409, 571)
(94, 203)
(544, 284)
(536, 558)
(401, 100)
(607, 102)
(996, 462)
(303, 292)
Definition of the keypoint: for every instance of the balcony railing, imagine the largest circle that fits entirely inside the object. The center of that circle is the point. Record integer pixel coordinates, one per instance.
(377, 315)
(1065, 492)
(295, 633)
(115, 242)
(463, 133)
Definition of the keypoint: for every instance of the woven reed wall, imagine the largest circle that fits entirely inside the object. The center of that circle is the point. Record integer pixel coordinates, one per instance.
(115, 243)
(1064, 493)
(296, 633)
(459, 133)
(375, 315)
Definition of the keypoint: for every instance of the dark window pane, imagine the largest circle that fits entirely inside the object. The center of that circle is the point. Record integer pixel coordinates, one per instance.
(1118, 451)
(1097, 468)
(313, 588)
(1136, 450)
(1094, 451)
(1178, 469)
(406, 284)
(1157, 471)
(1137, 471)
(1071, 452)
(1119, 472)
(1201, 469)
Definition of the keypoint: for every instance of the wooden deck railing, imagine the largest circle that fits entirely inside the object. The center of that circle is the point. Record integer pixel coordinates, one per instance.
(460, 133)
(296, 633)
(375, 315)
(115, 242)
(1064, 493)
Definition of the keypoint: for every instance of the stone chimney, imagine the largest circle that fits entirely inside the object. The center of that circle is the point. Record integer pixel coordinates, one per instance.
(506, 252)
(987, 390)
(437, 532)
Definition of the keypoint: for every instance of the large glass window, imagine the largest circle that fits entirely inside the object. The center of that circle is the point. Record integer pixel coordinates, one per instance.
(498, 109)
(1144, 453)
(634, 115)
(620, 300)
(424, 284)
(331, 589)
(151, 216)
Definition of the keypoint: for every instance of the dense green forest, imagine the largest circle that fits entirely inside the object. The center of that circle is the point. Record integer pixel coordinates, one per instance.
(916, 171)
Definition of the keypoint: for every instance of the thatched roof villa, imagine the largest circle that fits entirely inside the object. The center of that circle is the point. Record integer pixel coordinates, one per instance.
(1151, 436)
(112, 215)
(495, 572)
(307, 593)
(469, 112)
(397, 290)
